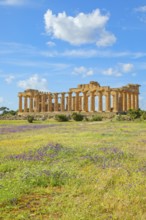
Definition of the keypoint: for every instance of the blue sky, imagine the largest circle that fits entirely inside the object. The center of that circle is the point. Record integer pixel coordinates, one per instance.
(54, 45)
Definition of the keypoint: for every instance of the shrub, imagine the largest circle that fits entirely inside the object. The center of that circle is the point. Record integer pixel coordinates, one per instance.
(122, 118)
(61, 118)
(30, 118)
(7, 111)
(44, 118)
(96, 118)
(134, 113)
(143, 116)
(77, 117)
(86, 118)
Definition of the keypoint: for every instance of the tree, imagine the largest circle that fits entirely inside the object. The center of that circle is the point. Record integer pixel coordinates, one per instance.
(4, 109)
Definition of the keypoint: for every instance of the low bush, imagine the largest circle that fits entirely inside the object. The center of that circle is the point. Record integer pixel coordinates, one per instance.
(122, 118)
(30, 118)
(77, 117)
(96, 118)
(61, 118)
(143, 116)
(134, 113)
(86, 118)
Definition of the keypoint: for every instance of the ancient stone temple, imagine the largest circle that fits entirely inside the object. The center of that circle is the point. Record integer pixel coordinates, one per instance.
(85, 98)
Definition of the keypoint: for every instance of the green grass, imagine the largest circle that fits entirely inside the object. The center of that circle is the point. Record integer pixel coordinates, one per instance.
(73, 170)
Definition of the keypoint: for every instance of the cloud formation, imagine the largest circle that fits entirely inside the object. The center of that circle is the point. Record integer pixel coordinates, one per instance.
(142, 13)
(112, 72)
(9, 79)
(34, 82)
(141, 9)
(51, 44)
(83, 71)
(126, 67)
(12, 2)
(81, 29)
(119, 69)
(1, 100)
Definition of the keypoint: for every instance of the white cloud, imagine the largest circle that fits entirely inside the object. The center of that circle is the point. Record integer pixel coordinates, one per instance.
(1, 100)
(142, 13)
(119, 70)
(51, 44)
(111, 72)
(127, 67)
(12, 2)
(34, 82)
(80, 53)
(83, 71)
(9, 79)
(81, 29)
(106, 39)
(92, 53)
(9, 48)
(141, 9)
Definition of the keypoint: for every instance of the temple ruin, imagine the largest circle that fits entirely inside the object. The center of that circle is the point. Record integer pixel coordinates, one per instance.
(85, 98)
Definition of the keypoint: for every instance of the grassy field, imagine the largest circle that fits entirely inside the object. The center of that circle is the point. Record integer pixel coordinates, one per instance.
(73, 170)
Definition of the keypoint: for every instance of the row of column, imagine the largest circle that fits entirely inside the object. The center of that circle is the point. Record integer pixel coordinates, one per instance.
(114, 101)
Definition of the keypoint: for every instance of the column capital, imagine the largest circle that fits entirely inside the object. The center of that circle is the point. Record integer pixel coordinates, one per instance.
(55, 95)
(92, 92)
(99, 92)
(63, 93)
(107, 93)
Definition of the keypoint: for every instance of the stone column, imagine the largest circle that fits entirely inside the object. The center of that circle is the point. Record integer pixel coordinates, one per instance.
(108, 101)
(120, 108)
(66, 103)
(124, 101)
(45, 102)
(36, 109)
(133, 101)
(55, 102)
(62, 101)
(85, 102)
(20, 103)
(100, 101)
(50, 109)
(74, 103)
(42, 103)
(92, 101)
(25, 103)
(69, 101)
(129, 101)
(136, 101)
(34, 104)
(116, 106)
(77, 102)
(31, 104)
(80, 103)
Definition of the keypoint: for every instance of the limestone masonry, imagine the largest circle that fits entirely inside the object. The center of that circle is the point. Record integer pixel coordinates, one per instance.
(85, 98)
